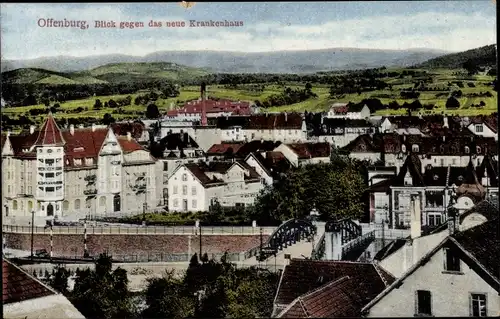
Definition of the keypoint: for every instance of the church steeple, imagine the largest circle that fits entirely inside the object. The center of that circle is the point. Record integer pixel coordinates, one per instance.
(50, 134)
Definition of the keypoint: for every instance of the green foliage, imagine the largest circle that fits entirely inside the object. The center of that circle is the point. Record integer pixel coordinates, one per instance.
(480, 56)
(212, 290)
(102, 293)
(335, 189)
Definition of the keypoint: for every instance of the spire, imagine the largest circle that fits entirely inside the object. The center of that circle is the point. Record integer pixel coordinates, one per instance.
(50, 133)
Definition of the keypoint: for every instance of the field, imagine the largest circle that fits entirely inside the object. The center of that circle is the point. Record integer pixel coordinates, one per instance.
(321, 103)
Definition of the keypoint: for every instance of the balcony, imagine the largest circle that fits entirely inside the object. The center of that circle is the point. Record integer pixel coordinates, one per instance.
(90, 192)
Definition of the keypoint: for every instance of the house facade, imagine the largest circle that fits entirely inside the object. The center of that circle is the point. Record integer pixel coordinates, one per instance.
(75, 173)
(343, 110)
(341, 131)
(198, 186)
(458, 277)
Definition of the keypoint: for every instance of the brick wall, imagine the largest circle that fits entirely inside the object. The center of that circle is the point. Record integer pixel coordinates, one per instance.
(72, 245)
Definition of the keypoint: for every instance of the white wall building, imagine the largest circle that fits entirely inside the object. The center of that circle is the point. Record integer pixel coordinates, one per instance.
(195, 187)
(300, 154)
(73, 173)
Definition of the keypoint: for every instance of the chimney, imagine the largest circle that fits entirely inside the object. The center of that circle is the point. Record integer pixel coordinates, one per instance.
(72, 129)
(32, 129)
(203, 105)
(416, 217)
(93, 127)
(129, 136)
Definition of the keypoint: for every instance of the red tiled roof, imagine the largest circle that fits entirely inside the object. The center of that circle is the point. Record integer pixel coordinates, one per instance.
(311, 150)
(129, 146)
(303, 276)
(50, 134)
(83, 143)
(19, 286)
(134, 128)
(275, 121)
(335, 299)
(220, 149)
(213, 106)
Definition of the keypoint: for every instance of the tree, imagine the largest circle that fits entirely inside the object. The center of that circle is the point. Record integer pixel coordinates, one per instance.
(112, 103)
(56, 105)
(97, 104)
(152, 111)
(59, 279)
(102, 293)
(452, 103)
(471, 67)
(107, 119)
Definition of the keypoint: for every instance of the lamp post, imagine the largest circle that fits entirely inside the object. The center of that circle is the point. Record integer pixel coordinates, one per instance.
(384, 220)
(32, 231)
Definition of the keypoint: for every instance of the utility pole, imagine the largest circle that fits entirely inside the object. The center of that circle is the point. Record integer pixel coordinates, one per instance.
(32, 231)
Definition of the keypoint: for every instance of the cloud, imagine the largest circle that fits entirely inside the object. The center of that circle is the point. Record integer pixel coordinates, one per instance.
(23, 39)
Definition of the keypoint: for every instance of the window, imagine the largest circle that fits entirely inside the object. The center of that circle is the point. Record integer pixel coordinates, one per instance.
(184, 190)
(452, 262)
(175, 190)
(165, 166)
(193, 203)
(403, 148)
(49, 189)
(176, 202)
(478, 150)
(423, 303)
(478, 305)
(184, 177)
(479, 128)
(14, 205)
(415, 148)
(434, 220)
(193, 190)
(77, 204)
(453, 161)
(9, 189)
(49, 175)
(467, 150)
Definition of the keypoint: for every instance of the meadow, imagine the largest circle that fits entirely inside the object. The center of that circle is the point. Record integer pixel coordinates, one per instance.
(322, 102)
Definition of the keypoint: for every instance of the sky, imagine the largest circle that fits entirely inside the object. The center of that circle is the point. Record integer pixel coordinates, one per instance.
(444, 25)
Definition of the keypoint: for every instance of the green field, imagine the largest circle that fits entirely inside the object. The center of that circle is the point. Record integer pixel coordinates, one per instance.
(247, 93)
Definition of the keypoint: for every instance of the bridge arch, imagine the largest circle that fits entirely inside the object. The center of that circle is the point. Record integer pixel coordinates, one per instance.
(286, 234)
(348, 229)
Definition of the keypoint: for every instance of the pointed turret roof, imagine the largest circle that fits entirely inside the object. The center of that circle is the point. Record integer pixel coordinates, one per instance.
(413, 166)
(50, 133)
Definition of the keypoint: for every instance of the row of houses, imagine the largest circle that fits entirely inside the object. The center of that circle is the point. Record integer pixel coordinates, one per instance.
(453, 270)
(77, 172)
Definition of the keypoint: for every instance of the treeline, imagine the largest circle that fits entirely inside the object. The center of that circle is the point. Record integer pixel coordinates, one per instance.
(289, 96)
(32, 94)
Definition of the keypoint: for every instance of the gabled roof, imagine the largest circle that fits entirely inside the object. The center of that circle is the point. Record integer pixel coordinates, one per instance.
(479, 247)
(488, 167)
(50, 133)
(224, 148)
(19, 286)
(302, 276)
(363, 143)
(311, 150)
(338, 298)
(413, 166)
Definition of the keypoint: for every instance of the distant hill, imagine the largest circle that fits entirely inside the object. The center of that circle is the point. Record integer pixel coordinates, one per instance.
(484, 56)
(243, 62)
(110, 73)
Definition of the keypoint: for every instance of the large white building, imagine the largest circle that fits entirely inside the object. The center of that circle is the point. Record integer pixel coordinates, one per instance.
(73, 173)
(197, 186)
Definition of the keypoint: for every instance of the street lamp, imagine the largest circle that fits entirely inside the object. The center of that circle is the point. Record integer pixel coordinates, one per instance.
(32, 231)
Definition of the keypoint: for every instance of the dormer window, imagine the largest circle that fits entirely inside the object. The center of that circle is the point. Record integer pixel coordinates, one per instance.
(414, 148)
(467, 150)
(408, 180)
(403, 148)
(460, 178)
(78, 161)
(479, 128)
(441, 149)
(78, 149)
(478, 150)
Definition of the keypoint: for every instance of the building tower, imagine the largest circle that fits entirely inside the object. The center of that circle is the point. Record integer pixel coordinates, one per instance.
(49, 148)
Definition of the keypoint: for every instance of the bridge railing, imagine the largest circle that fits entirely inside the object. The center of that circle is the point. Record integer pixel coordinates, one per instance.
(319, 250)
(358, 242)
(143, 230)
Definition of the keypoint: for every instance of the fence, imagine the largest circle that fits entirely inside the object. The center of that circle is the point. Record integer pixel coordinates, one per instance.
(141, 230)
